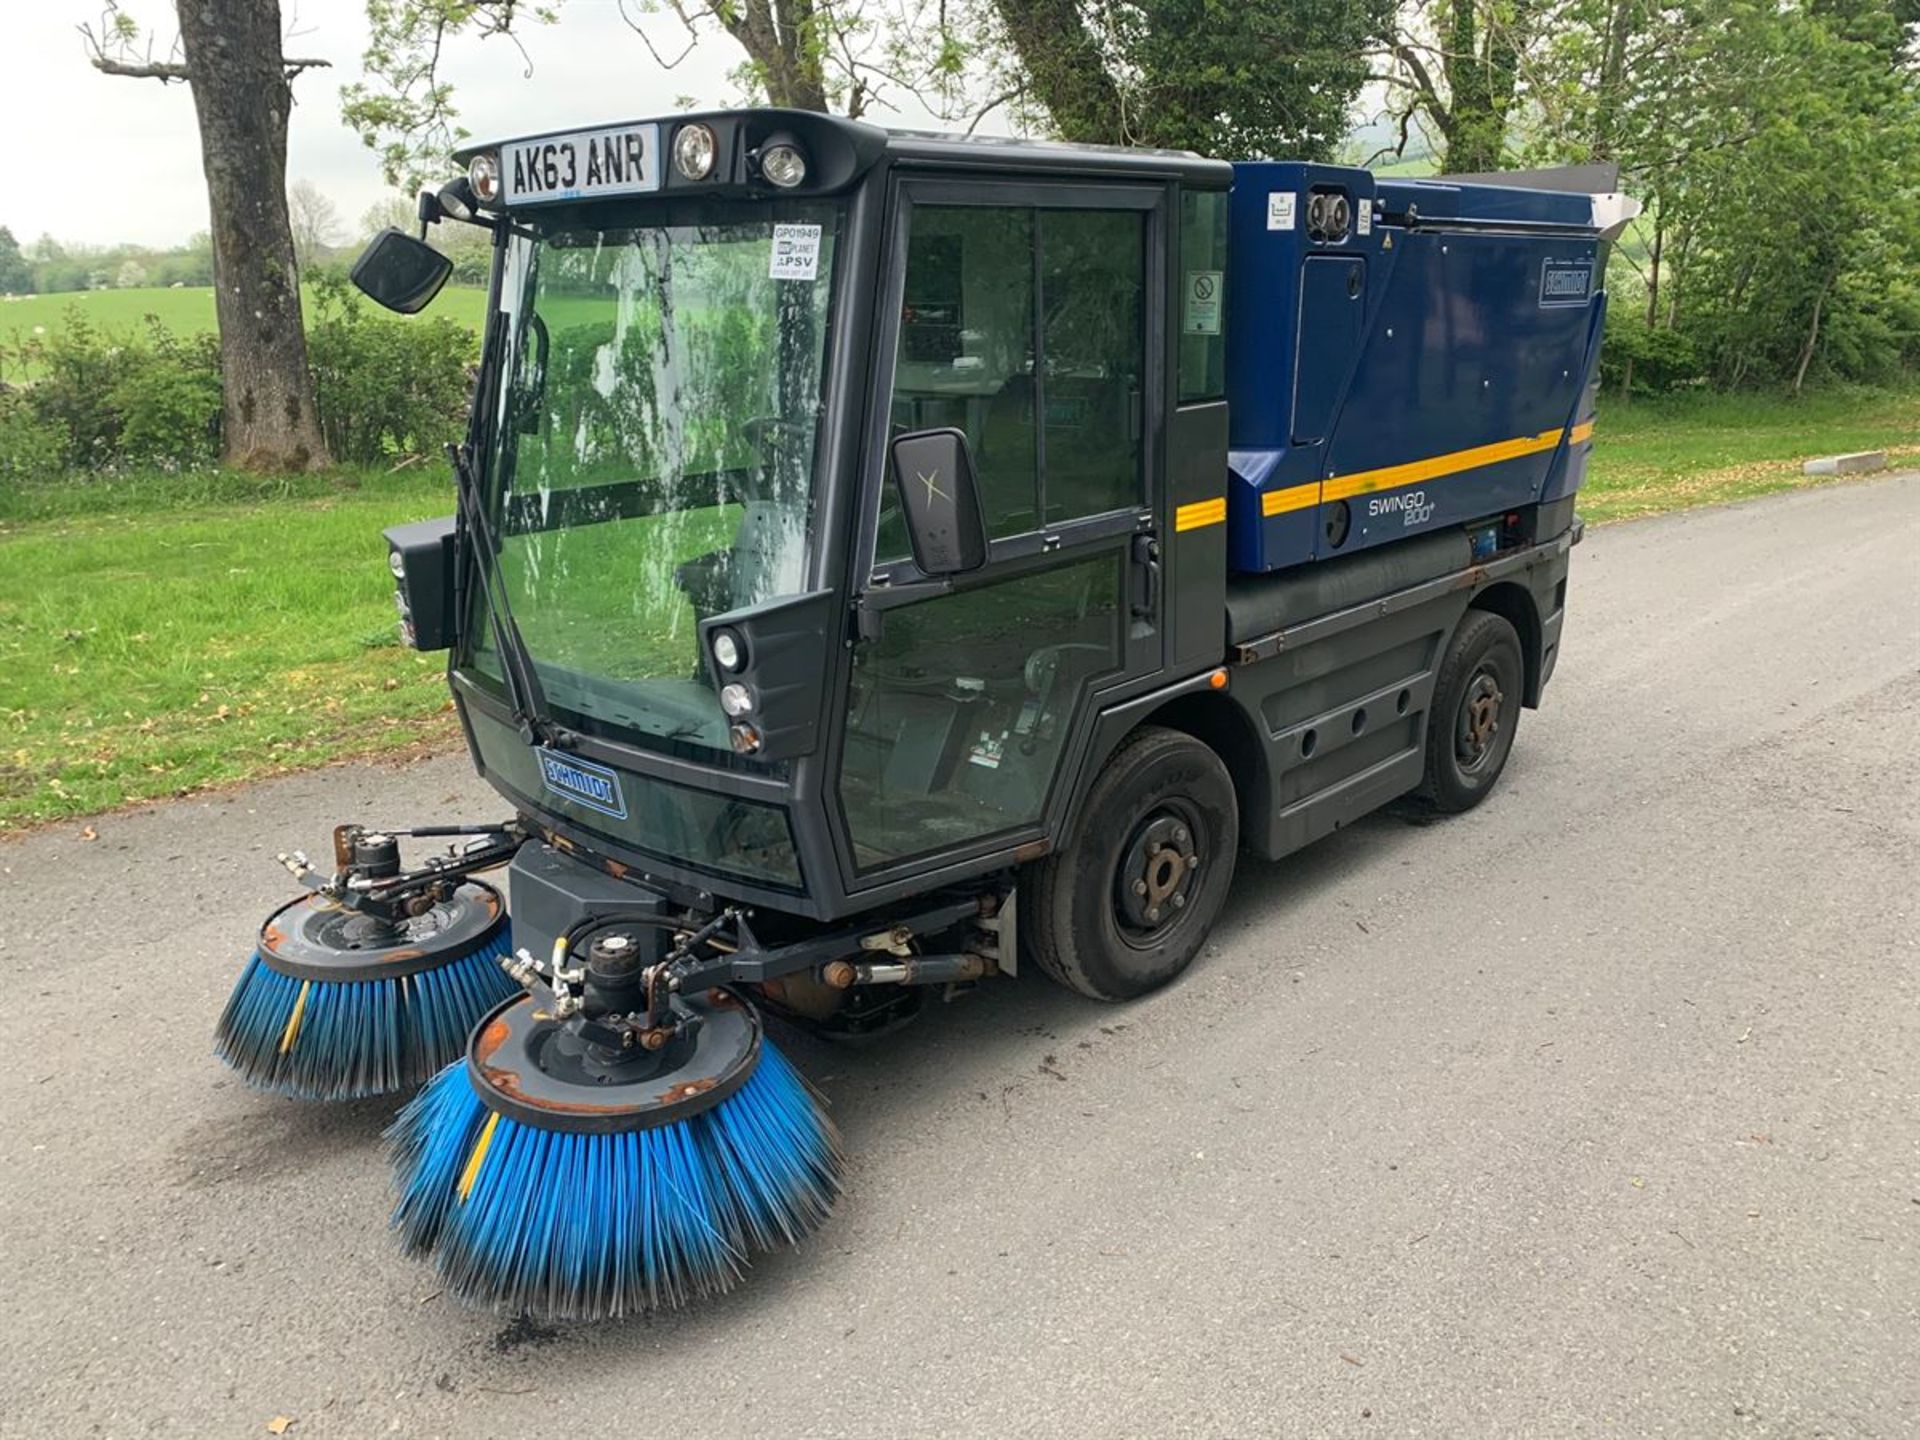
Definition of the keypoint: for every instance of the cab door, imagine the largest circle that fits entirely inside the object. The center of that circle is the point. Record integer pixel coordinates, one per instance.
(1027, 317)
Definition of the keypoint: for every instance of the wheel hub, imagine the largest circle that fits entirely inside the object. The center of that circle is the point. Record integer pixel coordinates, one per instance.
(1157, 870)
(1479, 718)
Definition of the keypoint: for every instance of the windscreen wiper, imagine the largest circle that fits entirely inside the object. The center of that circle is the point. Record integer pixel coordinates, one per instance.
(524, 693)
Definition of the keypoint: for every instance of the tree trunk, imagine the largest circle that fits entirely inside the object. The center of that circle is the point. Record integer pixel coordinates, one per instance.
(242, 96)
(1481, 66)
(790, 39)
(1066, 70)
(1813, 335)
(1613, 72)
(1653, 267)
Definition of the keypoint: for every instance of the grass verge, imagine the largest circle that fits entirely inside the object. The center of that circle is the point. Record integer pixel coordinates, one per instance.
(164, 634)
(1652, 456)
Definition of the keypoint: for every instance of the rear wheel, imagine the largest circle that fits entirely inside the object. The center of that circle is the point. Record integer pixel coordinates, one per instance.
(1476, 710)
(1127, 904)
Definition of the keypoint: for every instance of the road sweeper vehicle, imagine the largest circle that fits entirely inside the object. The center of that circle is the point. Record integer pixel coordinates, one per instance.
(883, 561)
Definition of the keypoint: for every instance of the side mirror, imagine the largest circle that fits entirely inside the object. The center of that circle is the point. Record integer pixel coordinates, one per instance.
(940, 501)
(400, 272)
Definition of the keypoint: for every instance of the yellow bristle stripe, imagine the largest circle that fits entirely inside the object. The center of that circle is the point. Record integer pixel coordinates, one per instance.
(474, 1161)
(292, 1032)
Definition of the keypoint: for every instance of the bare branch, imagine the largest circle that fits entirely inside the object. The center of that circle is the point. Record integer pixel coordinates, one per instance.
(1007, 98)
(165, 73)
(693, 40)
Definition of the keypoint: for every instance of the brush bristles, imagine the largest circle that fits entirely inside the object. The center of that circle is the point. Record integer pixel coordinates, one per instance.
(319, 1041)
(590, 1227)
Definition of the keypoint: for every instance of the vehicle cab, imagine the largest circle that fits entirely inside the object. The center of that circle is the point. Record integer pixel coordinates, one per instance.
(824, 481)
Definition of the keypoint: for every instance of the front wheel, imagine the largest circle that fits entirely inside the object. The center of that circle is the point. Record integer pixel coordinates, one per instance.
(1126, 905)
(1476, 708)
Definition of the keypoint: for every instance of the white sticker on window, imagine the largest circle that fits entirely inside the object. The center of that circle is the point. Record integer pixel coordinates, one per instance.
(1364, 220)
(796, 252)
(1280, 210)
(1203, 302)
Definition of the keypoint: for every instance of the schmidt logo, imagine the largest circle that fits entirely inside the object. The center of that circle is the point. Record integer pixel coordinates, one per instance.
(583, 782)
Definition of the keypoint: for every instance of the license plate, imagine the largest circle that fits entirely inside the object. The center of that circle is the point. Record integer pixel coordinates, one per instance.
(622, 161)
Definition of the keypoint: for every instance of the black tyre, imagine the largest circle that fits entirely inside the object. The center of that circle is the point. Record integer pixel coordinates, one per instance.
(1476, 710)
(1126, 906)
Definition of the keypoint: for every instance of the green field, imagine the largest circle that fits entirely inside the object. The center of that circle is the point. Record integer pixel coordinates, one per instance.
(163, 634)
(184, 311)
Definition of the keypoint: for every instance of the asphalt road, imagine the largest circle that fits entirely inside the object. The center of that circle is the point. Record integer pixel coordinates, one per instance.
(1594, 1112)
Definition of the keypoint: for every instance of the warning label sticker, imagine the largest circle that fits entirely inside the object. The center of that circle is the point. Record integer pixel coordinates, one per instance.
(1280, 206)
(1203, 302)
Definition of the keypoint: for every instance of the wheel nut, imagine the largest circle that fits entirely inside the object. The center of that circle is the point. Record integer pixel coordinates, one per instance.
(1180, 834)
(1179, 902)
(1139, 887)
(1154, 913)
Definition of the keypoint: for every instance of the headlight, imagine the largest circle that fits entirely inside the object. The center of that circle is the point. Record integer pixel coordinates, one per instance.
(483, 174)
(744, 737)
(727, 652)
(783, 164)
(736, 700)
(693, 151)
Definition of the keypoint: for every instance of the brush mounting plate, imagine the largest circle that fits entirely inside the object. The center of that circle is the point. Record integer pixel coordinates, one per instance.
(532, 1068)
(316, 938)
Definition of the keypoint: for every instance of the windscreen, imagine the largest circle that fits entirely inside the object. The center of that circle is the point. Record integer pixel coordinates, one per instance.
(652, 461)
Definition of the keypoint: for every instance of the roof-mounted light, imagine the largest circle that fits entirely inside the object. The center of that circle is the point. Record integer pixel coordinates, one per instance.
(782, 164)
(694, 149)
(483, 174)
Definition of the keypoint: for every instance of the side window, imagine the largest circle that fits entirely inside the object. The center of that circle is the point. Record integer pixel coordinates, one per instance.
(1092, 279)
(966, 355)
(1203, 275)
(1025, 328)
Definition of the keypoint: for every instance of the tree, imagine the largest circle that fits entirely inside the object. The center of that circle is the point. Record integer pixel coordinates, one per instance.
(1457, 67)
(840, 56)
(1774, 145)
(229, 55)
(1266, 78)
(16, 275)
(315, 221)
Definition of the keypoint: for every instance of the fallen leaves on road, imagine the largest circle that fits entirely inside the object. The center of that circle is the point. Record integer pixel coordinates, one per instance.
(279, 1424)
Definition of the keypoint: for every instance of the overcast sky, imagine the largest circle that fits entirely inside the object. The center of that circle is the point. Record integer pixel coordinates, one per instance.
(101, 159)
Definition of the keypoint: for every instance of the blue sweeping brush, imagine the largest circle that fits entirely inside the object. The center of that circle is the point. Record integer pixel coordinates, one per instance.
(335, 1006)
(541, 1188)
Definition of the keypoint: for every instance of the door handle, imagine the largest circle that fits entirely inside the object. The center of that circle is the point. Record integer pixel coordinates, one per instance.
(1146, 576)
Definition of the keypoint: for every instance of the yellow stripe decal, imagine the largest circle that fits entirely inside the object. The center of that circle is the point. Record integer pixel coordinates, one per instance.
(1294, 497)
(1201, 512)
(1435, 467)
(292, 1032)
(472, 1173)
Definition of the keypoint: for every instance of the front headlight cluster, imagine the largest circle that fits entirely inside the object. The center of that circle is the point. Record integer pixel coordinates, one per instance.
(736, 697)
